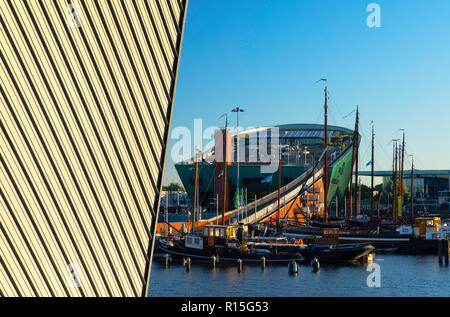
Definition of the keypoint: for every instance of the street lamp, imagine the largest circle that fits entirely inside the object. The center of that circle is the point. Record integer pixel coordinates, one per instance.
(237, 110)
(306, 152)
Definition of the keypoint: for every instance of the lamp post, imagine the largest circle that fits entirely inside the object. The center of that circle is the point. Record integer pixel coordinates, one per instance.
(305, 152)
(237, 110)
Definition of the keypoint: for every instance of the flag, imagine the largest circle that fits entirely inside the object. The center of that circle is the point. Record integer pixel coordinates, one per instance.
(236, 199)
(240, 198)
(369, 163)
(265, 230)
(268, 179)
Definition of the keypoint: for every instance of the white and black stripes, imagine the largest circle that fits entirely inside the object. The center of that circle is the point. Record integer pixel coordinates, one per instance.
(84, 124)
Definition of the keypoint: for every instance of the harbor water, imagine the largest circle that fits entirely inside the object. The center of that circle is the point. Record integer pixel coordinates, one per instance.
(389, 275)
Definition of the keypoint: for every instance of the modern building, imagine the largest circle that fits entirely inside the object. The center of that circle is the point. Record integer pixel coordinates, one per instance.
(301, 145)
(174, 201)
(87, 91)
(444, 198)
(427, 183)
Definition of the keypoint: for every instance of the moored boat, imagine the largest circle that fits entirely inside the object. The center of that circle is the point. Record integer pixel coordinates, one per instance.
(222, 243)
(420, 238)
(337, 253)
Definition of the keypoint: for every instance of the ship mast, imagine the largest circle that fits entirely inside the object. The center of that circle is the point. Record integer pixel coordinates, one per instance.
(412, 191)
(195, 188)
(401, 172)
(313, 184)
(356, 161)
(355, 132)
(326, 158)
(372, 174)
(225, 172)
(394, 176)
(394, 204)
(279, 189)
(325, 178)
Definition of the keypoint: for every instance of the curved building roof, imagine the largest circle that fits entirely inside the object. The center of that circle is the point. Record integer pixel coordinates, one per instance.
(311, 126)
(299, 126)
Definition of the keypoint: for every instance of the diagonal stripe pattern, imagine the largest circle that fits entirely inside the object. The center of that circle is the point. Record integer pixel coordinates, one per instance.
(86, 97)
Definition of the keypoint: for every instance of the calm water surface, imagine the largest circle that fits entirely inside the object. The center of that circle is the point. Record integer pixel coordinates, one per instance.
(401, 275)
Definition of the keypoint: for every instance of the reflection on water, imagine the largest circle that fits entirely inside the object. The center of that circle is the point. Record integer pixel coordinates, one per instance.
(401, 275)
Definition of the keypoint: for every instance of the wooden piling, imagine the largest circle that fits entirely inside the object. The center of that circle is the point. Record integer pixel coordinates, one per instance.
(445, 247)
(293, 267)
(188, 264)
(447, 251)
(440, 252)
(166, 260)
(315, 264)
(443, 251)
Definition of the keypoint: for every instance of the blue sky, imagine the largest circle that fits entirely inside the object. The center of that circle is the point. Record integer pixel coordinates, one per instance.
(265, 55)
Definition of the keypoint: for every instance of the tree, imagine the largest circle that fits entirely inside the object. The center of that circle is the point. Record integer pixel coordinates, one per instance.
(174, 187)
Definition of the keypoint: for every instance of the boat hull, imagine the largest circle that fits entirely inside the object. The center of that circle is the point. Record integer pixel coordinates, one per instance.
(337, 254)
(387, 242)
(225, 256)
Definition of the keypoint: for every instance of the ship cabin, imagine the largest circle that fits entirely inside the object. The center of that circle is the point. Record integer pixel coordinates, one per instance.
(427, 227)
(218, 235)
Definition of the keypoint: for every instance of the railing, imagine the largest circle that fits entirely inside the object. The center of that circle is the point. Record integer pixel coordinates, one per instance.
(269, 203)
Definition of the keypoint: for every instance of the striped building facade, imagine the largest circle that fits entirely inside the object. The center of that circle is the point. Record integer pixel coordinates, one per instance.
(86, 98)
